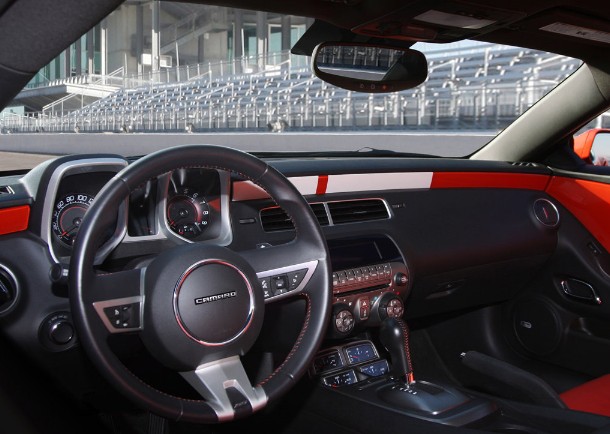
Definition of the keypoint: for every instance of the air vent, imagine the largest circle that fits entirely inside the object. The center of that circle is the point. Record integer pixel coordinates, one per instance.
(5, 189)
(524, 164)
(320, 211)
(275, 218)
(357, 210)
(8, 289)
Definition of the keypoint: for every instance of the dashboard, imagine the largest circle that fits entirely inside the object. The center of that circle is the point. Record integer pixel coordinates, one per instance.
(396, 229)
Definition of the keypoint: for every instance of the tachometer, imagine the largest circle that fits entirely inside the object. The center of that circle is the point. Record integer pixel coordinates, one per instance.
(68, 214)
(188, 213)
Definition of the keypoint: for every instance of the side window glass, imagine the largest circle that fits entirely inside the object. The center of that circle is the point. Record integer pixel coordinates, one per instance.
(600, 150)
(593, 146)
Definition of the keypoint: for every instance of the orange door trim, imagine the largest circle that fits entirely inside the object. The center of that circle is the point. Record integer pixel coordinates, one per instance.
(14, 219)
(489, 180)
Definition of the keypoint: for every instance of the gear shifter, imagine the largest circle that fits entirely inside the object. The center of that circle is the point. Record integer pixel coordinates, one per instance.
(403, 391)
(394, 336)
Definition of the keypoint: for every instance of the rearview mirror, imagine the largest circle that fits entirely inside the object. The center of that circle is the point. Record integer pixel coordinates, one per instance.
(593, 146)
(369, 68)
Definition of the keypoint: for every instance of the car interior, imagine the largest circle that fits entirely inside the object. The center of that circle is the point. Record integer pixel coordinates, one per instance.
(212, 289)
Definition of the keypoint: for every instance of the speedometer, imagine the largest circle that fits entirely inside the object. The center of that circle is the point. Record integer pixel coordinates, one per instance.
(68, 214)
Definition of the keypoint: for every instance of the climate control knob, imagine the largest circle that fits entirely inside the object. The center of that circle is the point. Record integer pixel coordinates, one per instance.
(344, 321)
(391, 308)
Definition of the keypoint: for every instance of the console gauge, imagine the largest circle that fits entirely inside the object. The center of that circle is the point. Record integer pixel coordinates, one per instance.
(341, 379)
(327, 362)
(375, 369)
(68, 215)
(188, 213)
(360, 353)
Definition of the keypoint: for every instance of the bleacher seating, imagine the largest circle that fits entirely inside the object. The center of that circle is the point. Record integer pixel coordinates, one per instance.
(493, 84)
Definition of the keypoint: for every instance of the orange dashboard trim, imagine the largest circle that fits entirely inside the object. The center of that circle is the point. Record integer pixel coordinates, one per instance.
(14, 219)
(489, 180)
(588, 201)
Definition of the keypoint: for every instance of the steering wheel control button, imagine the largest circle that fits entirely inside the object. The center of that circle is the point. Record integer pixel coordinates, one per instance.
(124, 316)
(214, 302)
(295, 278)
(279, 284)
(266, 285)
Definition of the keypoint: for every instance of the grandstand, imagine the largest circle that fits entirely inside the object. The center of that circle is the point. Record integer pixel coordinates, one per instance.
(483, 87)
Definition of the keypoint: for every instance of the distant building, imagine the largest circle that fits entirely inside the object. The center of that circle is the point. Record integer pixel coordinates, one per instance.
(144, 37)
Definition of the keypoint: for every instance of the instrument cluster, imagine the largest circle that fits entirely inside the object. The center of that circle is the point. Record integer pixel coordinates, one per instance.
(185, 205)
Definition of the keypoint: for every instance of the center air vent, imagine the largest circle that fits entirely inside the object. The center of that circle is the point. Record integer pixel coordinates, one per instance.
(275, 218)
(357, 210)
(348, 211)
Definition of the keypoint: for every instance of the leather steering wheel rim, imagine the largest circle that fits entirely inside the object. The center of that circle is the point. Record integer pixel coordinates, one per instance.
(91, 292)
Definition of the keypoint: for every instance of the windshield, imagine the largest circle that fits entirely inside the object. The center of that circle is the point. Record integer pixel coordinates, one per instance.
(227, 76)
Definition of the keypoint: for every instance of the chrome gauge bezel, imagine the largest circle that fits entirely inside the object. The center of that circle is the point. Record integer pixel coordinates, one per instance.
(75, 167)
(225, 234)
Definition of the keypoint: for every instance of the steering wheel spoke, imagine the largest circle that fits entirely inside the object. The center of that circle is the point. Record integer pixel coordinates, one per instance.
(226, 388)
(117, 298)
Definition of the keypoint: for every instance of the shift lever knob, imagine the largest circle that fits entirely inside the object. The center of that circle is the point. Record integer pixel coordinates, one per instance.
(394, 336)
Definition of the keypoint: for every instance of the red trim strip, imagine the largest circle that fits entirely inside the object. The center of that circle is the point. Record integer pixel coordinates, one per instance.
(489, 180)
(14, 219)
(589, 201)
(322, 184)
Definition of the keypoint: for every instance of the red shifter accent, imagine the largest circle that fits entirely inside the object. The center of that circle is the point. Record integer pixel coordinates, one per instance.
(322, 184)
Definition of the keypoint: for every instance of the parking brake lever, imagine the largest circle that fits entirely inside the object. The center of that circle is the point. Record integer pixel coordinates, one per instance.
(394, 336)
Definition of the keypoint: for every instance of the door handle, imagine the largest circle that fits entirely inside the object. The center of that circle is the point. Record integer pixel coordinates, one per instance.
(580, 290)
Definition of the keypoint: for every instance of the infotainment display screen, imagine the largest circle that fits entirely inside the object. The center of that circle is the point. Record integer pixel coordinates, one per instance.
(358, 252)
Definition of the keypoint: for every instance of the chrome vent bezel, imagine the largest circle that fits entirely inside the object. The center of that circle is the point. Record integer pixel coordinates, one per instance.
(328, 213)
(6, 189)
(549, 221)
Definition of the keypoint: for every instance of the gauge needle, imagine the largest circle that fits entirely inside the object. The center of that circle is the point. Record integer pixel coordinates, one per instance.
(67, 231)
(70, 229)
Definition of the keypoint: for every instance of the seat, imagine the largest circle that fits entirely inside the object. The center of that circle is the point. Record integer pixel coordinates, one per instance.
(504, 380)
(591, 397)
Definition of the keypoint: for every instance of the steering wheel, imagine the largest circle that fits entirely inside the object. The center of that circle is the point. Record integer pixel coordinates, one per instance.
(199, 308)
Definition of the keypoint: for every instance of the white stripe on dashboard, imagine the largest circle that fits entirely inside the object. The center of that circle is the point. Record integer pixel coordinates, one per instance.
(305, 184)
(309, 185)
(378, 181)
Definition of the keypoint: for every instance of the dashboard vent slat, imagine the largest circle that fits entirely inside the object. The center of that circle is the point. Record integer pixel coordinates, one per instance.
(320, 211)
(5, 189)
(357, 211)
(275, 218)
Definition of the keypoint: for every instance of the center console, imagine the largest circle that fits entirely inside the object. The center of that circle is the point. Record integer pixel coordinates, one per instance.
(371, 282)
(366, 365)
